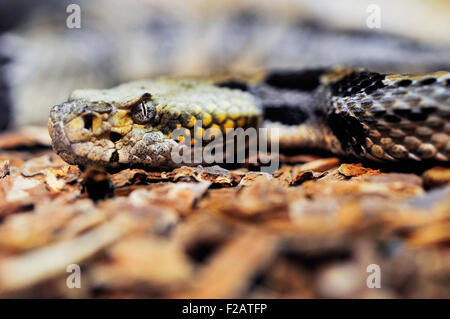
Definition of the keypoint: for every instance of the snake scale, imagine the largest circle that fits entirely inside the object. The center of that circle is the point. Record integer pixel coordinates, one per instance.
(347, 111)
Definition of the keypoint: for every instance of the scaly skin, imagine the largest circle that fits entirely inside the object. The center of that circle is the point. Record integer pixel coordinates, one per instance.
(346, 111)
(96, 127)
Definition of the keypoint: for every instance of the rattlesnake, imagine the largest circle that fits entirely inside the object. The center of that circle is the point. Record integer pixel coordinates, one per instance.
(349, 111)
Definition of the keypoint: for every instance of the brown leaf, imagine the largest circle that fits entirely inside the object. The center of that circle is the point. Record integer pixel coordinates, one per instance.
(319, 165)
(58, 179)
(284, 175)
(262, 200)
(135, 176)
(48, 222)
(352, 170)
(214, 174)
(21, 188)
(180, 196)
(397, 190)
(252, 177)
(4, 168)
(391, 178)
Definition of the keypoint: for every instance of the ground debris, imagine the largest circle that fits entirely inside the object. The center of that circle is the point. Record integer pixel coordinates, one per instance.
(310, 230)
(4, 168)
(229, 272)
(27, 136)
(436, 176)
(352, 170)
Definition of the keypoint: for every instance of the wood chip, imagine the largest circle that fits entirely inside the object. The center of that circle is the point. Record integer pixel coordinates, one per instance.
(436, 176)
(352, 170)
(36, 266)
(231, 270)
(181, 196)
(307, 231)
(4, 168)
(146, 260)
(26, 136)
(319, 165)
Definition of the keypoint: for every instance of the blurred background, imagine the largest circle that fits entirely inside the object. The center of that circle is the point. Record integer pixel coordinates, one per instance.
(42, 59)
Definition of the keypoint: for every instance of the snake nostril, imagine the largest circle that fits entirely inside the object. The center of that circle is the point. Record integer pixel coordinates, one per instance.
(88, 119)
(114, 137)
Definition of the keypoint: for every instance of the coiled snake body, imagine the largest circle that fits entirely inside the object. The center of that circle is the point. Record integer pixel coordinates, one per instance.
(346, 111)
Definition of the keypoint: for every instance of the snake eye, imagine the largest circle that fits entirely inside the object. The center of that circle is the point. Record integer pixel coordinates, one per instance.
(143, 112)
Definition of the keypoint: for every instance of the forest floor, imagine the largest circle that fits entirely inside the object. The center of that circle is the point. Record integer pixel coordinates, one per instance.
(319, 227)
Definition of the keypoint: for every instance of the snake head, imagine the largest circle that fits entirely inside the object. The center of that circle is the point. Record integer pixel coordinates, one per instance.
(132, 124)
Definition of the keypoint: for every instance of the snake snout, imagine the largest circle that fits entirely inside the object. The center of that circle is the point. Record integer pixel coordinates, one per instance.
(58, 116)
(60, 142)
(81, 134)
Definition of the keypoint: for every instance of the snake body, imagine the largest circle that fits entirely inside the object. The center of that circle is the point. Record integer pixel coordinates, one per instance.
(347, 111)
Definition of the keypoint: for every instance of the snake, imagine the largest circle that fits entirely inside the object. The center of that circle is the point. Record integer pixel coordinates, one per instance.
(346, 111)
